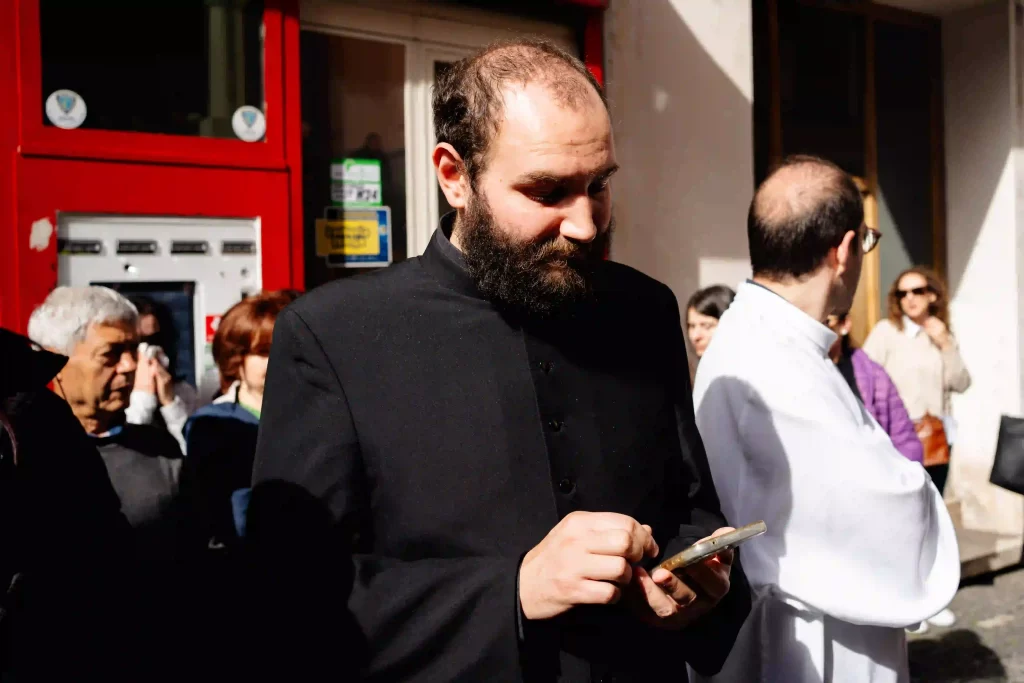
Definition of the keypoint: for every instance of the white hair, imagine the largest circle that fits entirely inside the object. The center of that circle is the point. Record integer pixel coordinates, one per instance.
(63, 320)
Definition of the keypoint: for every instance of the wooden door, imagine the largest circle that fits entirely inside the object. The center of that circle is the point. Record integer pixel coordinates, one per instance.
(867, 303)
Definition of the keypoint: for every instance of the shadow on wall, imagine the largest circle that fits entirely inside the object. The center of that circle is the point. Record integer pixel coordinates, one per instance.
(684, 138)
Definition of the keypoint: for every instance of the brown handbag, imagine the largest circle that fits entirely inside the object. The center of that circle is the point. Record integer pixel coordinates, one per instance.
(933, 438)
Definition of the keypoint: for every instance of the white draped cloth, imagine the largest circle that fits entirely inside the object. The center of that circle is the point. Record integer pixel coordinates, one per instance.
(859, 543)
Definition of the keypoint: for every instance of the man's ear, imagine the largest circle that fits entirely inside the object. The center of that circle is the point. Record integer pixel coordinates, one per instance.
(845, 251)
(451, 175)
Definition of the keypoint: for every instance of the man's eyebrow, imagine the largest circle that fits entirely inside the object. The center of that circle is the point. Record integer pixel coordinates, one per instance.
(545, 177)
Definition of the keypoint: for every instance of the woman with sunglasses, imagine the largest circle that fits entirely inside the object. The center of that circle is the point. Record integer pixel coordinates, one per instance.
(917, 349)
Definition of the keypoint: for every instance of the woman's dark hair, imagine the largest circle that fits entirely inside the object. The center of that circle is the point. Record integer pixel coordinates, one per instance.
(167, 336)
(940, 309)
(711, 300)
(845, 341)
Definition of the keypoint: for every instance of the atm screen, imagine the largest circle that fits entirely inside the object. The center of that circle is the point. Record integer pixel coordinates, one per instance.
(174, 302)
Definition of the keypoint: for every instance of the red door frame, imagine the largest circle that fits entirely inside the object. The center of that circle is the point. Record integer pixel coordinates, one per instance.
(93, 171)
(593, 35)
(44, 170)
(41, 140)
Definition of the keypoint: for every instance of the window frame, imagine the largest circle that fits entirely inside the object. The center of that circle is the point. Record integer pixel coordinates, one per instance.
(38, 139)
(428, 34)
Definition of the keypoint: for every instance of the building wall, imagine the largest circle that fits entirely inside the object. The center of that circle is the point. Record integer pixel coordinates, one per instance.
(680, 84)
(984, 183)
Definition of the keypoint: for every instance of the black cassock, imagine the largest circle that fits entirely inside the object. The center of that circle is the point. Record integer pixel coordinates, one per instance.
(447, 439)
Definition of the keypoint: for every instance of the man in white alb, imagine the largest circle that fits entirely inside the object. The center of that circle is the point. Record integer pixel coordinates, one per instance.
(859, 543)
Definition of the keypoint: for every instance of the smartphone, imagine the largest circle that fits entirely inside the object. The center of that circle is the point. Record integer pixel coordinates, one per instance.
(702, 550)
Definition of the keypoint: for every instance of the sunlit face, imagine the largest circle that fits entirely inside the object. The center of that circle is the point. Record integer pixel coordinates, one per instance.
(253, 373)
(699, 329)
(98, 378)
(539, 212)
(916, 296)
(548, 168)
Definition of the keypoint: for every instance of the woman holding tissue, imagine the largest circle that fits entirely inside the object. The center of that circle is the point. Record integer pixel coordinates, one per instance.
(158, 397)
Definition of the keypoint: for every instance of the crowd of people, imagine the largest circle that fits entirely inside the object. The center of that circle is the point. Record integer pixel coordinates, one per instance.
(469, 466)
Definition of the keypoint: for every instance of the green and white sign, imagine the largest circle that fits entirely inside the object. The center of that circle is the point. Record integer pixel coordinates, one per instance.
(356, 183)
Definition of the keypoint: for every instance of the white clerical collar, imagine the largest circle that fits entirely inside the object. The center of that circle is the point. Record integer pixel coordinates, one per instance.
(910, 328)
(777, 309)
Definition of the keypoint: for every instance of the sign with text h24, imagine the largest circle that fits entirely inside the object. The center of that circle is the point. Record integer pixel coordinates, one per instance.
(356, 183)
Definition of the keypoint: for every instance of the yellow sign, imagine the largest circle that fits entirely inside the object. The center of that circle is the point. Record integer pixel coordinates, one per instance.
(357, 235)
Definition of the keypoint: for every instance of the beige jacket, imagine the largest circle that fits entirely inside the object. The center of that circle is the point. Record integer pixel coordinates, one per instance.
(924, 374)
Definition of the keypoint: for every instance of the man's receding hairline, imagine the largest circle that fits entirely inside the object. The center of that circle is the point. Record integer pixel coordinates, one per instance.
(570, 88)
(794, 190)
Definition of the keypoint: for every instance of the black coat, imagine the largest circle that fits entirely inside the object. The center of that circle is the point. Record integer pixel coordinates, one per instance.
(80, 610)
(446, 440)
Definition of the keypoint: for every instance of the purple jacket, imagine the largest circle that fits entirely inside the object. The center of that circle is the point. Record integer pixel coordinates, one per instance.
(883, 401)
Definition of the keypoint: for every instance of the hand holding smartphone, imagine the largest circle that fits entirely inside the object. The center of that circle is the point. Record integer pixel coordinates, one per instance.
(710, 547)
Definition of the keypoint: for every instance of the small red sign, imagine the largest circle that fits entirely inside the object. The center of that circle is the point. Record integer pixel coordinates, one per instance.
(212, 323)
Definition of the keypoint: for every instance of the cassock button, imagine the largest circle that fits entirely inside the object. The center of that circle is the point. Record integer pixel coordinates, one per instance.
(555, 425)
(546, 366)
(566, 486)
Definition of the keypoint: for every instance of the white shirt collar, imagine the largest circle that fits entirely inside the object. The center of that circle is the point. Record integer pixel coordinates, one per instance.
(910, 328)
(774, 308)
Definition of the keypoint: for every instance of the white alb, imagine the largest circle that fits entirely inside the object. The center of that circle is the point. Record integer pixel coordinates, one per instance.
(859, 543)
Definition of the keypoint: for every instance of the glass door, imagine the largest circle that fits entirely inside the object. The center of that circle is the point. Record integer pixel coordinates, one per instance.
(354, 141)
(367, 77)
(436, 61)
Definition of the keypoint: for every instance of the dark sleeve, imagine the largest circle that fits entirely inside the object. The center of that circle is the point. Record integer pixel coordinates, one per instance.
(708, 641)
(432, 619)
(204, 490)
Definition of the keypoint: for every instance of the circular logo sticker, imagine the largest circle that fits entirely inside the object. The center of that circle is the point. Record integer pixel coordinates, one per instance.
(65, 109)
(249, 124)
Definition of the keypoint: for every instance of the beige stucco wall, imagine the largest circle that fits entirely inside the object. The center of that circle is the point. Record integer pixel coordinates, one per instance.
(680, 83)
(984, 206)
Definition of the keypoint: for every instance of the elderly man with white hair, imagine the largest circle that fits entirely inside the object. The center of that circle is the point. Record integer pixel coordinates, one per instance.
(96, 328)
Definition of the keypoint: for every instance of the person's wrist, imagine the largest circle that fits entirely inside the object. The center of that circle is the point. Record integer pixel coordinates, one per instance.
(523, 584)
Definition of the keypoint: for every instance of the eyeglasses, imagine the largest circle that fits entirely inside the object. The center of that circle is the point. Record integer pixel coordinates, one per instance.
(916, 291)
(870, 239)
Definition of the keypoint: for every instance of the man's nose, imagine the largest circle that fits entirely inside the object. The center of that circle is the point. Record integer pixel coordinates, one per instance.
(578, 225)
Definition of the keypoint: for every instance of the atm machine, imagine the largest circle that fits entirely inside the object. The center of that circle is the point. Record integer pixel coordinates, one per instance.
(197, 267)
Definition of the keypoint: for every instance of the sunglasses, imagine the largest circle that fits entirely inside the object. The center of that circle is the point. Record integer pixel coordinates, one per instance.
(916, 291)
(870, 239)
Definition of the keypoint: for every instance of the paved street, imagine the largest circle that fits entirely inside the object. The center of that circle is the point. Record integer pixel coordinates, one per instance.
(985, 644)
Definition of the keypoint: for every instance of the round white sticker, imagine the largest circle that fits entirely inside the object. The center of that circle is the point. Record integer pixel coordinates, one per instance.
(65, 109)
(249, 124)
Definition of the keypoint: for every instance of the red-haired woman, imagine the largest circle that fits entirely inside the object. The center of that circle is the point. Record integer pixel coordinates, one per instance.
(221, 437)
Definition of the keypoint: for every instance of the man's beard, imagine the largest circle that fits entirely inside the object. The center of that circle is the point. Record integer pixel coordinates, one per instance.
(532, 278)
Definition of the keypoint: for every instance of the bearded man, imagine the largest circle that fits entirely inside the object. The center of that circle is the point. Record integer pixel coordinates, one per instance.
(502, 428)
